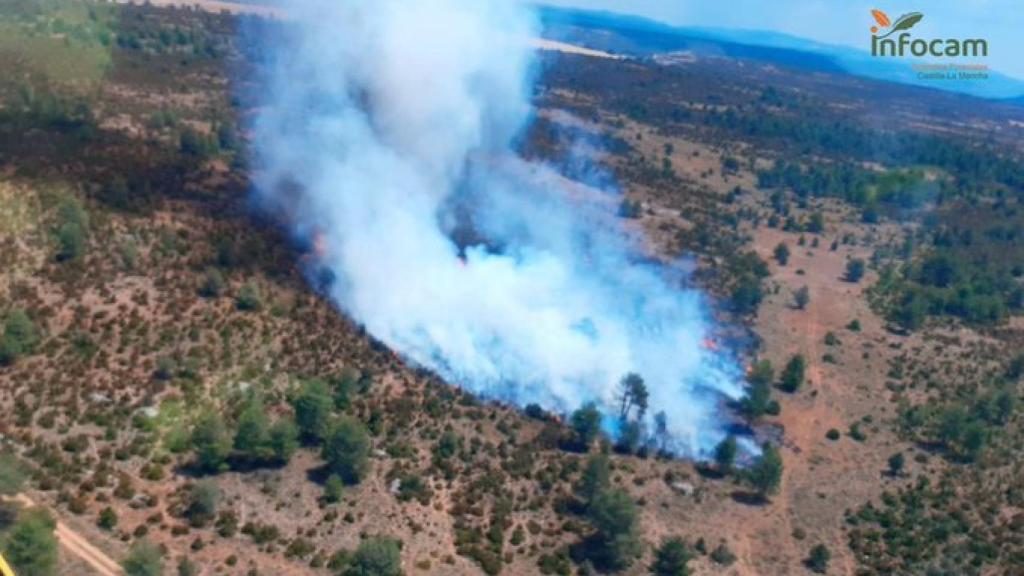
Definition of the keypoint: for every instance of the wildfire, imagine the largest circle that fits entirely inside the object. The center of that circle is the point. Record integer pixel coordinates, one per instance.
(318, 249)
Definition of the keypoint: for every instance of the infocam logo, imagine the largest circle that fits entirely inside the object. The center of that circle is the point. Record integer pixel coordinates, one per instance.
(886, 42)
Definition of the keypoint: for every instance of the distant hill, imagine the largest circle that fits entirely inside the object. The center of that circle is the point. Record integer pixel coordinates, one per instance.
(637, 36)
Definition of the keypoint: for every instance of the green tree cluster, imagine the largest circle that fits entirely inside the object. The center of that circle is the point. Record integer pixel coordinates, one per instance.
(586, 425)
(377, 556)
(259, 441)
(766, 473)
(758, 401)
(616, 541)
(30, 546)
(346, 449)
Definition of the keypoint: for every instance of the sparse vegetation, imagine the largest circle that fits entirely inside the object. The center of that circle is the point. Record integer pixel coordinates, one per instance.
(167, 372)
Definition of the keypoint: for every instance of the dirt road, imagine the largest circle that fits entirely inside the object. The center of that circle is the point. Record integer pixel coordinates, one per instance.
(74, 543)
(821, 477)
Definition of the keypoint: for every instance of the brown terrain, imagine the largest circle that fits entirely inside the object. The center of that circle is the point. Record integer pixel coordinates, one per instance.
(132, 348)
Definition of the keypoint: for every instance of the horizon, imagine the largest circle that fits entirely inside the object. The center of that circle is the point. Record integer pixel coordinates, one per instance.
(842, 24)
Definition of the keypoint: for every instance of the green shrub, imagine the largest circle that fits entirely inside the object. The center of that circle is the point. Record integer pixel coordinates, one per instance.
(72, 229)
(144, 559)
(819, 558)
(211, 442)
(671, 558)
(249, 297)
(203, 498)
(107, 519)
(377, 556)
(213, 283)
(334, 489)
(855, 270)
(13, 474)
(19, 337)
(722, 555)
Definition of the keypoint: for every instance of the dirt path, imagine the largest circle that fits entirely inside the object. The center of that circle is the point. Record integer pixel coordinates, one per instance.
(79, 546)
(820, 478)
(809, 423)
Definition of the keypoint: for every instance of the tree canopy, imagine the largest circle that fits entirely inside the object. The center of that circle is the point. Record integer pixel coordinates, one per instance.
(346, 449)
(30, 546)
(586, 423)
(766, 474)
(377, 556)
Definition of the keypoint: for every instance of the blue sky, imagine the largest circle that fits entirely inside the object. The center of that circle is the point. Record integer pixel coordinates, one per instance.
(847, 22)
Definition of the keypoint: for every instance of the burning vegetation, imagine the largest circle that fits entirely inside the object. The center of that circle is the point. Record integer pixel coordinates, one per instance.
(193, 384)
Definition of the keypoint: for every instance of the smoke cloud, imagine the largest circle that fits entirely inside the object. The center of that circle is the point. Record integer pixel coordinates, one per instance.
(387, 132)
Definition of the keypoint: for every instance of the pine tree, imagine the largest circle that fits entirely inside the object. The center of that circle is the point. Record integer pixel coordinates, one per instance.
(725, 454)
(586, 423)
(766, 474)
(793, 374)
(346, 449)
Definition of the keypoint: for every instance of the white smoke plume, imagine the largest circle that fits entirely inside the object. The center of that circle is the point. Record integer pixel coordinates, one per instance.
(387, 125)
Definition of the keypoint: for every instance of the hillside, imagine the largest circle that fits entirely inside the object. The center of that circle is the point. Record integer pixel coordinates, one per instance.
(180, 385)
